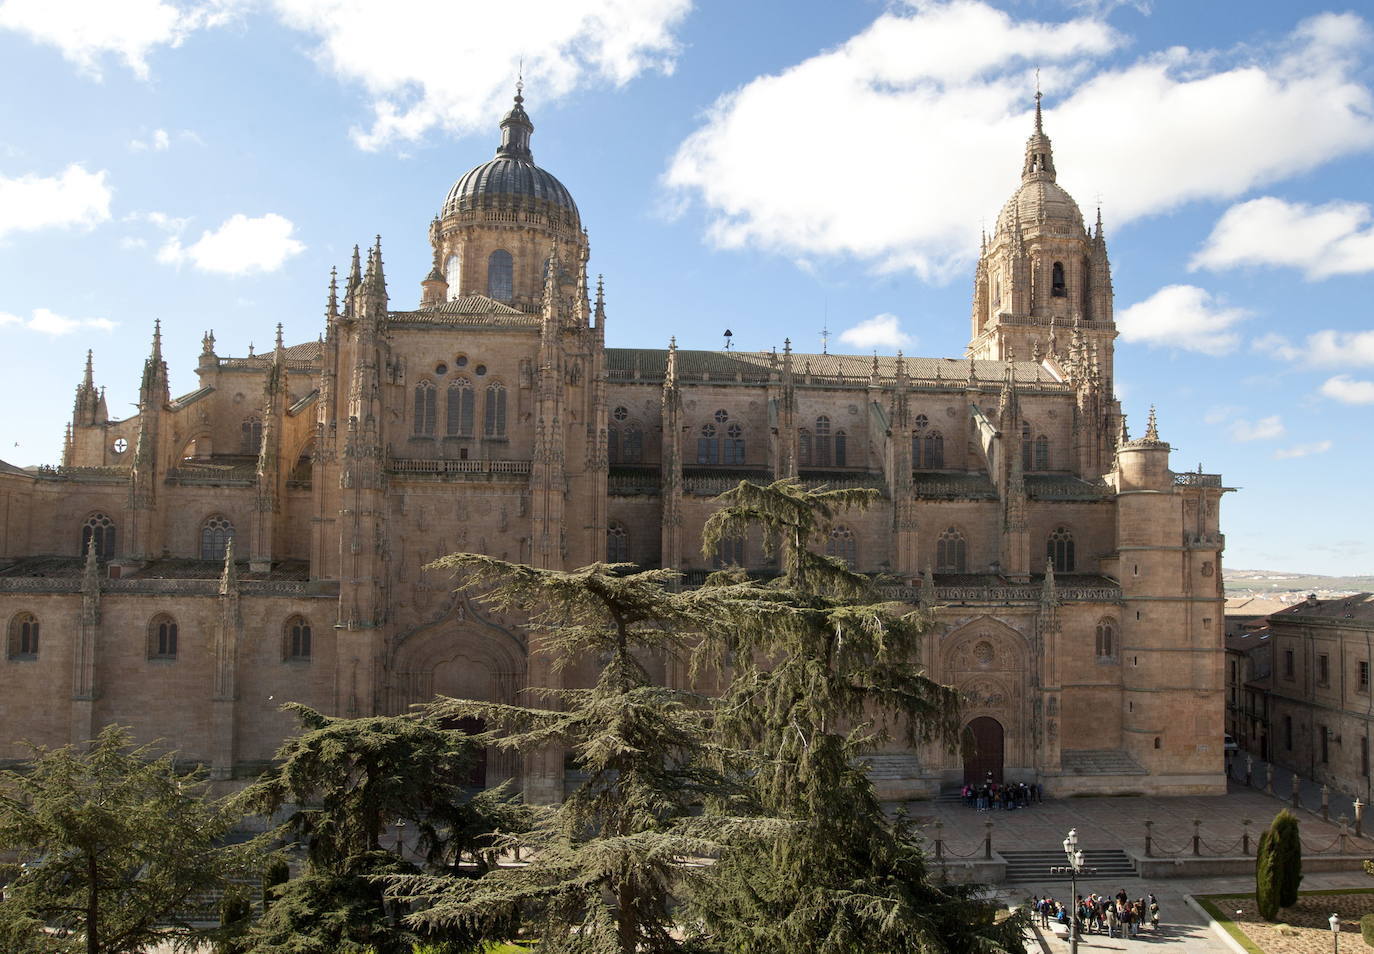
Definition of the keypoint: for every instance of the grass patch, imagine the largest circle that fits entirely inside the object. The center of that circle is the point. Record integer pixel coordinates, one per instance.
(507, 949)
(1231, 927)
(1301, 928)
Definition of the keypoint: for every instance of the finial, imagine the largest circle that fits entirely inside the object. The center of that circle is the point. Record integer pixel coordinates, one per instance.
(1151, 426)
(672, 343)
(520, 82)
(600, 289)
(88, 381)
(786, 345)
(333, 292)
(1039, 126)
(279, 337)
(250, 349)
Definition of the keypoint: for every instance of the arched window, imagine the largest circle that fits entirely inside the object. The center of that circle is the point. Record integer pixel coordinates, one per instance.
(632, 444)
(501, 275)
(951, 552)
(496, 410)
(425, 411)
(296, 639)
(215, 534)
(617, 544)
(1057, 287)
(252, 435)
(821, 447)
(23, 638)
(841, 442)
(1106, 638)
(804, 454)
(708, 448)
(162, 637)
(613, 444)
(1042, 453)
(453, 275)
(730, 552)
(841, 546)
(1059, 550)
(1027, 451)
(734, 444)
(98, 531)
(934, 450)
(458, 422)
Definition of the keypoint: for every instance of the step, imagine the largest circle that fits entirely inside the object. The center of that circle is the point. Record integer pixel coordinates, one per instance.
(1034, 865)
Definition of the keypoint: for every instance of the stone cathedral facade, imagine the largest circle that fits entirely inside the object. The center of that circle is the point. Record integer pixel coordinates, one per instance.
(262, 537)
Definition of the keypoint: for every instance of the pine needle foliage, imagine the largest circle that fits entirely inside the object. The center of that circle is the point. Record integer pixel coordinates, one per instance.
(343, 783)
(1287, 856)
(108, 843)
(1266, 877)
(602, 867)
(823, 671)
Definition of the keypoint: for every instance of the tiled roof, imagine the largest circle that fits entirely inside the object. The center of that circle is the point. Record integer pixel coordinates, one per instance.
(1359, 606)
(475, 305)
(186, 400)
(1253, 606)
(758, 365)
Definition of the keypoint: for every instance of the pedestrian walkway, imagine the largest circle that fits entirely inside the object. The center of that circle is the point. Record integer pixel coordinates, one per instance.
(1309, 791)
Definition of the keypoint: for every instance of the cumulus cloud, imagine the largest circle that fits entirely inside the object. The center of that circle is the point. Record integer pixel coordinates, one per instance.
(74, 199)
(1322, 240)
(238, 247)
(1265, 429)
(1182, 316)
(1302, 450)
(1348, 390)
(452, 66)
(159, 141)
(86, 31)
(880, 331)
(50, 323)
(856, 125)
(1326, 348)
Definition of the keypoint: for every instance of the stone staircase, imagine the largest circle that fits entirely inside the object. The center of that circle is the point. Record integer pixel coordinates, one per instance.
(1098, 762)
(1111, 864)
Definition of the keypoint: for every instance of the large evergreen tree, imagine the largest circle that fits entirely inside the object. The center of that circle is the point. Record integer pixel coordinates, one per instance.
(110, 844)
(603, 866)
(820, 668)
(345, 782)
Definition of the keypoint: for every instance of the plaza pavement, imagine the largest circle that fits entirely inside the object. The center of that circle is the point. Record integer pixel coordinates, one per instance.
(1120, 823)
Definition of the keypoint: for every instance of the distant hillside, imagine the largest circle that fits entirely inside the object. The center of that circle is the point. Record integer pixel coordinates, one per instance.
(1275, 582)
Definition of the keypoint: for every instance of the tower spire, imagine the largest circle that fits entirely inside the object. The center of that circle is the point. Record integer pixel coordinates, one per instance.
(88, 380)
(1039, 163)
(516, 128)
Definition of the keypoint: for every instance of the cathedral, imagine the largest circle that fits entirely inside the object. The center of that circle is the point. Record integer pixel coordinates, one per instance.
(263, 537)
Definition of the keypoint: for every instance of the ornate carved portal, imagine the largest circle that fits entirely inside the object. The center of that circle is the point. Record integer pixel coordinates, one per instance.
(989, 663)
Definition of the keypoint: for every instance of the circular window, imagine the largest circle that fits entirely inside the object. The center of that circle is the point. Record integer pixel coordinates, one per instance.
(481, 369)
(620, 413)
(120, 445)
(441, 368)
(461, 361)
(721, 417)
(708, 430)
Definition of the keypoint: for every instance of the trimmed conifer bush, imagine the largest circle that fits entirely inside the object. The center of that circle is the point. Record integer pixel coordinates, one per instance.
(1287, 857)
(1266, 878)
(1367, 929)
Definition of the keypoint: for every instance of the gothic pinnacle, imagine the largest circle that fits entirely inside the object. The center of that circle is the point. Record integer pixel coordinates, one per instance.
(280, 346)
(88, 381)
(333, 307)
(355, 273)
(1152, 426)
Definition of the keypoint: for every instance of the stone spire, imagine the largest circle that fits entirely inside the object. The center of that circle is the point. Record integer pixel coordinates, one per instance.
(1152, 426)
(378, 285)
(516, 129)
(1039, 165)
(331, 310)
(600, 312)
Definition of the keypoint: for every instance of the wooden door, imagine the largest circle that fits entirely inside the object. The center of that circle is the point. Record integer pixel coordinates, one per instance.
(983, 739)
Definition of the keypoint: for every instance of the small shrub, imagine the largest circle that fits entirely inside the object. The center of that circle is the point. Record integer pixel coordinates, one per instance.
(1367, 928)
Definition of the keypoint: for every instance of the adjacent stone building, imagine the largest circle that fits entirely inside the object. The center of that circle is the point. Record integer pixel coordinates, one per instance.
(261, 538)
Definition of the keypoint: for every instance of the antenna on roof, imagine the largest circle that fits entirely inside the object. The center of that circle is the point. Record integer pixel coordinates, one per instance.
(728, 335)
(825, 326)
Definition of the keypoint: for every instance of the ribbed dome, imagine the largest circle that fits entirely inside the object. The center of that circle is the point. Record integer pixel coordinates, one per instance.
(502, 179)
(1041, 203)
(512, 176)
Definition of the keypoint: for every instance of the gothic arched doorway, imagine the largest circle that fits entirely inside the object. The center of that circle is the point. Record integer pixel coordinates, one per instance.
(983, 745)
(476, 776)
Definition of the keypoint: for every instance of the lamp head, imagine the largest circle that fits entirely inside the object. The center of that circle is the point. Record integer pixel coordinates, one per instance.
(1335, 922)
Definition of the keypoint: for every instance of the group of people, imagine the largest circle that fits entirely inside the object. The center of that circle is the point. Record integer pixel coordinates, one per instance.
(1100, 914)
(1005, 796)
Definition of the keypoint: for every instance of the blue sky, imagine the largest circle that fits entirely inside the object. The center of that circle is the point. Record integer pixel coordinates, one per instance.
(766, 166)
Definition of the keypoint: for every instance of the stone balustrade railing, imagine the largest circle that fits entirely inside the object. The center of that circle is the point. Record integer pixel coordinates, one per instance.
(513, 470)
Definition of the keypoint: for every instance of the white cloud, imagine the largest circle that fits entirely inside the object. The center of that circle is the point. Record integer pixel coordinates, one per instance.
(1302, 450)
(85, 31)
(1348, 390)
(50, 323)
(452, 66)
(1323, 240)
(1326, 348)
(880, 331)
(159, 141)
(239, 246)
(74, 199)
(1265, 429)
(1221, 413)
(837, 156)
(1182, 316)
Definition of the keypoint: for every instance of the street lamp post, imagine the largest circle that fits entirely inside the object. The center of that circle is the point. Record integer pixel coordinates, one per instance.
(400, 837)
(1335, 922)
(1073, 869)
